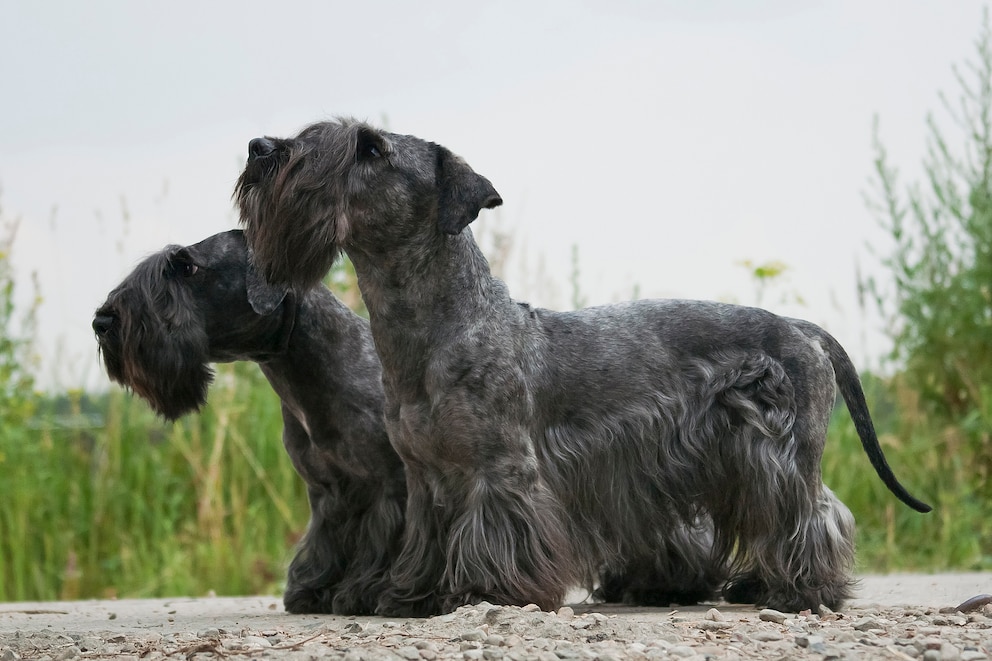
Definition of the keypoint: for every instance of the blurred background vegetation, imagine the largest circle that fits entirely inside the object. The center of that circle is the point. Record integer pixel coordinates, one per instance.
(99, 498)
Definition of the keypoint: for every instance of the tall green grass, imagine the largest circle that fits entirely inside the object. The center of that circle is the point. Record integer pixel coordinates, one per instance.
(101, 498)
(936, 463)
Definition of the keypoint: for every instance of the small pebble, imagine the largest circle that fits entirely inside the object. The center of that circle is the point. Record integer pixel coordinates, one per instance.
(67, 653)
(808, 641)
(766, 636)
(409, 652)
(949, 652)
(256, 641)
(771, 615)
(866, 623)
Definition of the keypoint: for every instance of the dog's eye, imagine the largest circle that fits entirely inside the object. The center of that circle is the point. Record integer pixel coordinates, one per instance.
(371, 150)
(370, 145)
(180, 265)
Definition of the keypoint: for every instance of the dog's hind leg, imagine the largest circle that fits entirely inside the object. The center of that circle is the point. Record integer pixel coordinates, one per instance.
(793, 539)
(810, 567)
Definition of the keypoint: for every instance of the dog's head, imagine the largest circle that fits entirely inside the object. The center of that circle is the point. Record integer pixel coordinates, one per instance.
(183, 308)
(348, 186)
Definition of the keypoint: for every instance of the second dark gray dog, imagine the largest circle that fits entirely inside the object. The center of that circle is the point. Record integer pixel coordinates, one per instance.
(543, 448)
(186, 307)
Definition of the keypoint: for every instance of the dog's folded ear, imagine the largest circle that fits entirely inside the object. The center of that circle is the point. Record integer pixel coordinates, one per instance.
(263, 296)
(462, 193)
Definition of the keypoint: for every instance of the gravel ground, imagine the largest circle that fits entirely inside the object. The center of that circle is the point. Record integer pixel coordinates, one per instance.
(894, 617)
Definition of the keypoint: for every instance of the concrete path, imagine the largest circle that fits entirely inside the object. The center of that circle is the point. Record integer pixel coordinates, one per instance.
(261, 613)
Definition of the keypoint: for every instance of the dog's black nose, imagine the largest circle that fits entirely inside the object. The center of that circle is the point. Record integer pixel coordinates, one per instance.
(102, 323)
(259, 147)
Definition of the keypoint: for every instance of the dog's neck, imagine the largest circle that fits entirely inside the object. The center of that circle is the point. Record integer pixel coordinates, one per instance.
(417, 284)
(323, 376)
(407, 294)
(290, 310)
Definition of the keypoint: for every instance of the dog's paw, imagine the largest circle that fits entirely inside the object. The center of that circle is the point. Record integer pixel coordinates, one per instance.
(745, 589)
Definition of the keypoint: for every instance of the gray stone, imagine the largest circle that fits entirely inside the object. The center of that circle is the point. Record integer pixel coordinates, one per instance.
(949, 652)
(66, 653)
(772, 615)
(766, 635)
(714, 615)
(708, 625)
(809, 641)
(866, 623)
(256, 641)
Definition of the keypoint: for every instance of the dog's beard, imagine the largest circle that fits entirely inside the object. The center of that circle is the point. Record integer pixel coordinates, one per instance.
(294, 240)
(166, 367)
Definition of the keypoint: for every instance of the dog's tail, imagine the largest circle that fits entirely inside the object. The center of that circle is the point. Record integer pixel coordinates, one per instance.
(849, 385)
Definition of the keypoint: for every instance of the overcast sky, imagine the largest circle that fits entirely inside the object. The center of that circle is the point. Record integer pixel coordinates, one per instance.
(667, 140)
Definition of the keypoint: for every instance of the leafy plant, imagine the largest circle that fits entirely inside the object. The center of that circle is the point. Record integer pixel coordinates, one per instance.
(938, 304)
(941, 261)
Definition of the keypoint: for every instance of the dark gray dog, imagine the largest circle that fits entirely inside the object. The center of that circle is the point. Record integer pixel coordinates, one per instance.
(186, 307)
(547, 448)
